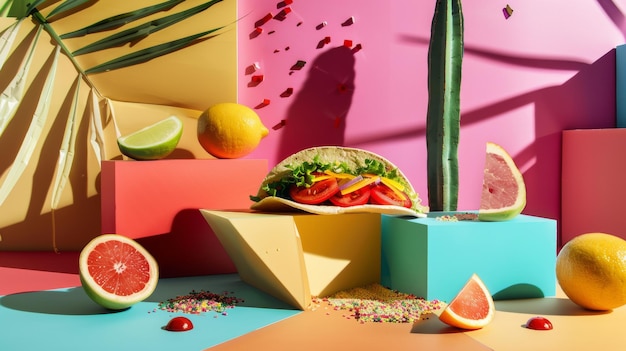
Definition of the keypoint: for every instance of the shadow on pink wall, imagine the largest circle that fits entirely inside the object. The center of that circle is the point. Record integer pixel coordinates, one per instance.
(587, 100)
(317, 115)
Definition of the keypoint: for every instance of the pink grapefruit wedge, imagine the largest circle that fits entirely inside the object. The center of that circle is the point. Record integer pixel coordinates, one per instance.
(504, 192)
(116, 272)
(472, 308)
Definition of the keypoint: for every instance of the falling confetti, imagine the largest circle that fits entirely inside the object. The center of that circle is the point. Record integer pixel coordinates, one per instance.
(298, 65)
(264, 20)
(321, 25)
(507, 11)
(350, 21)
(279, 125)
(287, 92)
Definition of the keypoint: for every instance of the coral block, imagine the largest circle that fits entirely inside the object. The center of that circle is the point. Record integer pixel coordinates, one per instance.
(157, 203)
(296, 256)
(433, 259)
(592, 191)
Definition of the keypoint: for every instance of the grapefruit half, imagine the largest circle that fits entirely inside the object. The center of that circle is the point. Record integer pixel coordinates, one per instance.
(116, 272)
(472, 308)
(504, 192)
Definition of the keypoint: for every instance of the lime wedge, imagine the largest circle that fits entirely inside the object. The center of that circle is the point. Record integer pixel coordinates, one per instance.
(152, 142)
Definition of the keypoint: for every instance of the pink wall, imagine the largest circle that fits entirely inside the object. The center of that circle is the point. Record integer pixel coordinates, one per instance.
(549, 67)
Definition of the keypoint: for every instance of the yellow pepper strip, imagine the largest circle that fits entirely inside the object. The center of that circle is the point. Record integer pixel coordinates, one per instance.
(359, 185)
(395, 186)
(339, 175)
(321, 177)
(392, 183)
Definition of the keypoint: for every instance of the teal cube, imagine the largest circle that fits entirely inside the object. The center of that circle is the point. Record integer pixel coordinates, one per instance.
(433, 258)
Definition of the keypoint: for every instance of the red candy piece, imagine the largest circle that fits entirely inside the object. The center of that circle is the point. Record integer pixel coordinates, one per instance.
(179, 324)
(539, 323)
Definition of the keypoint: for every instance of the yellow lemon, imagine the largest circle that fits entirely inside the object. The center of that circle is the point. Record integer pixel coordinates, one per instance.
(230, 130)
(591, 270)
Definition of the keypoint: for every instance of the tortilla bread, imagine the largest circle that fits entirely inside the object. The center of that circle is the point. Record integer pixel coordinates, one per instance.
(328, 154)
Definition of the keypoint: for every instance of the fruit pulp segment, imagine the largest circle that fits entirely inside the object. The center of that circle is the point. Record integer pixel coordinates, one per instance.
(153, 135)
(471, 303)
(118, 268)
(499, 185)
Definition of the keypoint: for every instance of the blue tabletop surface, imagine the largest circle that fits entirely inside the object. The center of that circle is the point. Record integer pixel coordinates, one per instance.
(66, 319)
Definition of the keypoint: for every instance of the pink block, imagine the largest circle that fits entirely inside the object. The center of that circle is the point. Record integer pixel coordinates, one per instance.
(157, 203)
(592, 191)
(33, 271)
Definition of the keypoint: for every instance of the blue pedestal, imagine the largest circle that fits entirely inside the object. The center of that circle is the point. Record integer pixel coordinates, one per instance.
(433, 259)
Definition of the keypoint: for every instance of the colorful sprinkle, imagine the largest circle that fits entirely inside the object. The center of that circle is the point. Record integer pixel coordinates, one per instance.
(458, 217)
(197, 302)
(375, 303)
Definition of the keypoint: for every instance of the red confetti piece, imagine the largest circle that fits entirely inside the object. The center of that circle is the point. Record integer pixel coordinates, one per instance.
(288, 2)
(347, 43)
(264, 20)
(350, 21)
(256, 32)
(287, 93)
(283, 13)
(357, 48)
(326, 40)
(263, 103)
(257, 78)
(298, 65)
(280, 124)
(321, 25)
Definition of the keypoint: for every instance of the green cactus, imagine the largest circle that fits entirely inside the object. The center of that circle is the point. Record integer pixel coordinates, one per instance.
(445, 56)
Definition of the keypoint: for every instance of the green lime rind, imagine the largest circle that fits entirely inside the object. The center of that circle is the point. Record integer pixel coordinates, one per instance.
(500, 215)
(107, 299)
(153, 142)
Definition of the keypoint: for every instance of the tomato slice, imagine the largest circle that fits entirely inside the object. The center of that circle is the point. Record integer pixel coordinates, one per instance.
(358, 197)
(317, 193)
(383, 195)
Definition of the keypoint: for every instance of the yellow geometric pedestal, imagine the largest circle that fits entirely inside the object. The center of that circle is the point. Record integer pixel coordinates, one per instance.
(296, 256)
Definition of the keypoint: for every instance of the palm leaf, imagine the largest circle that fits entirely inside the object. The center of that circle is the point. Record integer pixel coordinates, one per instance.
(32, 135)
(96, 132)
(66, 152)
(5, 8)
(6, 41)
(143, 30)
(122, 19)
(148, 54)
(66, 6)
(29, 5)
(14, 92)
